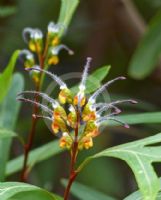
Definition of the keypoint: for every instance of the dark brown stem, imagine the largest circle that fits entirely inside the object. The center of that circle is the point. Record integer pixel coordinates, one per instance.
(74, 152)
(28, 145)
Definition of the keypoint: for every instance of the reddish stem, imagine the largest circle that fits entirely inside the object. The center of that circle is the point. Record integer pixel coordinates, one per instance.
(71, 180)
(74, 152)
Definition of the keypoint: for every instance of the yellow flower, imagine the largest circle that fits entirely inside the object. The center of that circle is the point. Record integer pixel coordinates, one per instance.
(59, 124)
(91, 129)
(55, 41)
(76, 100)
(53, 60)
(65, 96)
(86, 142)
(72, 119)
(65, 141)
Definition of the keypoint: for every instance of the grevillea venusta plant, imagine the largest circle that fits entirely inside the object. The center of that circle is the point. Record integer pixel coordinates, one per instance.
(75, 118)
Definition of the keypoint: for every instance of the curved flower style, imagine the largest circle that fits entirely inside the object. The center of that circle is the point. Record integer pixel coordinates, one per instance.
(84, 115)
(47, 50)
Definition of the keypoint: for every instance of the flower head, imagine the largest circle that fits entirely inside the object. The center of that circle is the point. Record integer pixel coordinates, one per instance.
(77, 117)
(42, 48)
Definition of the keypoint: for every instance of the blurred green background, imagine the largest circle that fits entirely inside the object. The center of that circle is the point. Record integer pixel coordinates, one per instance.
(109, 31)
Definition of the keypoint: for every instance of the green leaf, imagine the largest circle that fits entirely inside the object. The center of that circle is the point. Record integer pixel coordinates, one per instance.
(6, 11)
(23, 191)
(148, 52)
(141, 118)
(84, 192)
(139, 155)
(4, 133)
(137, 195)
(37, 155)
(8, 116)
(94, 80)
(6, 76)
(67, 10)
(100, 73)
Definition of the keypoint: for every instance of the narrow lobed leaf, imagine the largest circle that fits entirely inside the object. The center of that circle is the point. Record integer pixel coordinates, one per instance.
(137, 195)
(139, 155)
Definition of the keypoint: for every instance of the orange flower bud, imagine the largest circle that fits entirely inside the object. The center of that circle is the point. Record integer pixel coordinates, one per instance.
(59, 124)
(91, 129)
(65, 141)
(87, 114)
(55, 127)
(59, 112)
(82, 102)
(86, 143)
(72, 118)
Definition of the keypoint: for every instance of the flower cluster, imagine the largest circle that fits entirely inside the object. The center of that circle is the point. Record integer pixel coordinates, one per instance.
(45, 47)
(81, 121)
